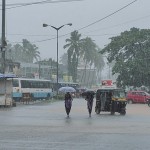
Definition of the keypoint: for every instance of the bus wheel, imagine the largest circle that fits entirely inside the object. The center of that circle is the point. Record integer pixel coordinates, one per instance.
(48, 97)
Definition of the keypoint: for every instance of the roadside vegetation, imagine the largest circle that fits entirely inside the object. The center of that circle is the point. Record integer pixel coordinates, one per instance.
(128, 54)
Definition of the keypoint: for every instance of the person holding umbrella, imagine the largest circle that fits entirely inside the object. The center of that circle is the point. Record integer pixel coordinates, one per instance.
(89, 96)
(68, 103)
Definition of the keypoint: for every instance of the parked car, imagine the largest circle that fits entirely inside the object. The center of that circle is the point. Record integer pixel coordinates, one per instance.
(137, 97)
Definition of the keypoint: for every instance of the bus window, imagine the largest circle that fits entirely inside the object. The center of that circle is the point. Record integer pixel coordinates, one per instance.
(25, 84)
(15, 83)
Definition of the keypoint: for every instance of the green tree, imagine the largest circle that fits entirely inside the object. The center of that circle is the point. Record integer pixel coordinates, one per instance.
(30, 51)
(64, 59)
(17, 53)
(98, 62)
(87, 54)
(74, 46)
(91, 56)
(27, 52)
(131, 53)
(82, 49)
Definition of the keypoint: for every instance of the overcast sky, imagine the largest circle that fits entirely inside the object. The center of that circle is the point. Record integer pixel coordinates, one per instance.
(26, 22)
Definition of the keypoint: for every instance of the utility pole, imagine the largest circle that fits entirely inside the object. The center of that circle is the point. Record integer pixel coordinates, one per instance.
(3, 44)
(3, 41)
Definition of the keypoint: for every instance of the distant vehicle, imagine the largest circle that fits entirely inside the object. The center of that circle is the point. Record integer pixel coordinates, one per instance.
(38, 88)
(137, 97)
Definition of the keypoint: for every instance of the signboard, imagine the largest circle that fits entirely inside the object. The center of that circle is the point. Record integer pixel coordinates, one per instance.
(107, 83)
(67, 78)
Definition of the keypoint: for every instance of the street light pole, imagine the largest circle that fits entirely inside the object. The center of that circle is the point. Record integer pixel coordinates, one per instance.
(57, 29)
(3, 44)
(57, 61)
(3, 36)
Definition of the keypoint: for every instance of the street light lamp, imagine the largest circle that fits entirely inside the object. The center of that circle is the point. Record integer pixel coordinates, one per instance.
(57, 29)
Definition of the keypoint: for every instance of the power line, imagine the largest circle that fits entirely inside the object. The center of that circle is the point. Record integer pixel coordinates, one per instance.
(108, 15)
(37, 3)
(18, 4)
(130, 21)
(134, 20)
(40, 40)
(98, 34)
(91, 23)
(97, 20)
(30, 35)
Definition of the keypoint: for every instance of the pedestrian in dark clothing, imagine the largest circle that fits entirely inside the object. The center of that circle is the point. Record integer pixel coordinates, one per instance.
(68, 103)
(89, 98)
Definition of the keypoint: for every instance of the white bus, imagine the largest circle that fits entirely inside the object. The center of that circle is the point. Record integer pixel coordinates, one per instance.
(37, 88)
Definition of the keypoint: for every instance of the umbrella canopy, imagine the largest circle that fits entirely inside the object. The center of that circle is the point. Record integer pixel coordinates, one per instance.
(88, 91)
(7, 75)
(67, 89)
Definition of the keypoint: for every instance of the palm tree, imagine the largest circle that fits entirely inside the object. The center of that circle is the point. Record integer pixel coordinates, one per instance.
(87, 53)
(64, 59)
(99, 62)
(30, 51)
(17, 53)
(74, 47)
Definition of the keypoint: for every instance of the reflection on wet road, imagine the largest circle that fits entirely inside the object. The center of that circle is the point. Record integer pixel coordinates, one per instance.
(44, 126)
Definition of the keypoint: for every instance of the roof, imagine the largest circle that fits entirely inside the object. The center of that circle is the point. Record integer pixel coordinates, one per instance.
(136, 91)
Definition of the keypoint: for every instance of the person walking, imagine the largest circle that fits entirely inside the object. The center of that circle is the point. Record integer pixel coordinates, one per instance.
(89, 98)
(68, 103)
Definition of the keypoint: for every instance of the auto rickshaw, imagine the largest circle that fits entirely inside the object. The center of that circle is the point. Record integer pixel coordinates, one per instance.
(111, 100)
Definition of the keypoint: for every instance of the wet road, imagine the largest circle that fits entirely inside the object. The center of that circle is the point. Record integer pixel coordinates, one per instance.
(45, 127)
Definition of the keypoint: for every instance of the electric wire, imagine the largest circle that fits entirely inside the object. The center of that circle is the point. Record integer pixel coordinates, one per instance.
(89, 24)
(86, 33)
(127, 22)
(36, 3)
(108, 15)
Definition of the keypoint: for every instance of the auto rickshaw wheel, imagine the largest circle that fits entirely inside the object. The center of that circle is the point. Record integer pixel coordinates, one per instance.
(123, 112)
(97, 110)
(112, 112)
(112, 108)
